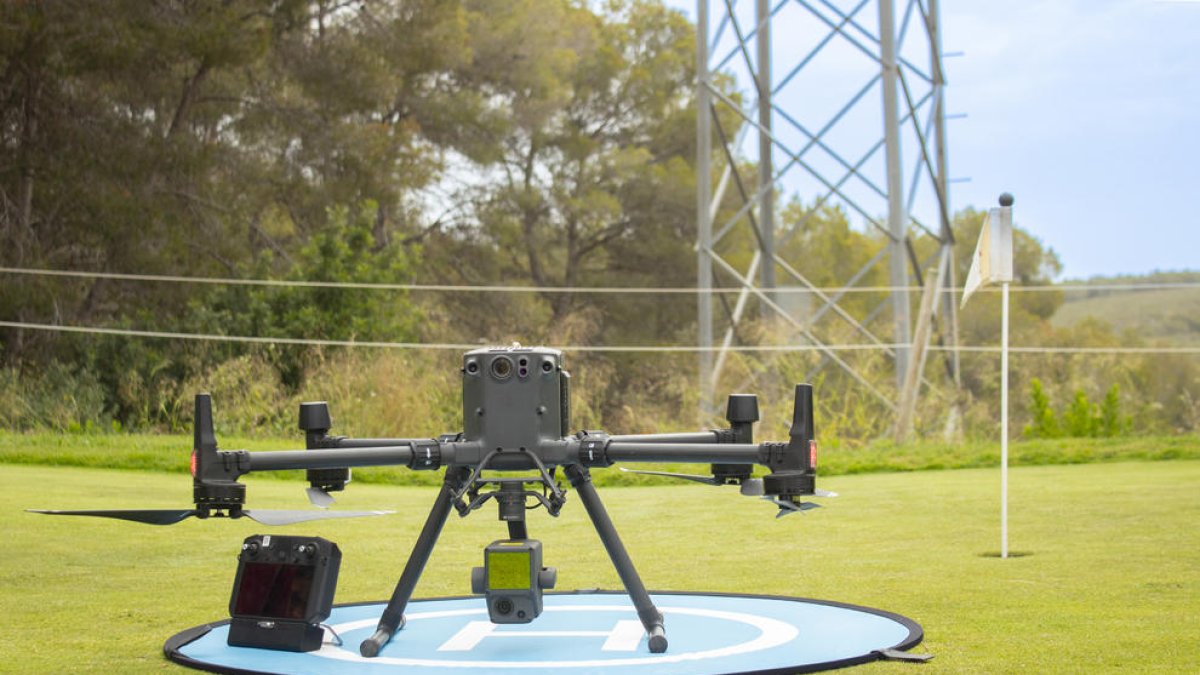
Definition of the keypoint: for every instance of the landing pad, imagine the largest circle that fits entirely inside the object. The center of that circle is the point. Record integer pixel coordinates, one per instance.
(595, 632)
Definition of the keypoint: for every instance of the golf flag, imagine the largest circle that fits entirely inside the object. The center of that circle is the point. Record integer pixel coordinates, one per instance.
(992, 262)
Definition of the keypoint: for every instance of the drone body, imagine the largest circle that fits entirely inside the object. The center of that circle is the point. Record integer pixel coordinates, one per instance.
(516, 420)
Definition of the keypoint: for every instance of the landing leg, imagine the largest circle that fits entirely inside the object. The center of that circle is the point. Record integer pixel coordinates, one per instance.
(651, 618)
(393, 616)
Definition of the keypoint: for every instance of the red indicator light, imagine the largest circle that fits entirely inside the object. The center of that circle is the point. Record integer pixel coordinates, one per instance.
(195, 461)
(812, 454)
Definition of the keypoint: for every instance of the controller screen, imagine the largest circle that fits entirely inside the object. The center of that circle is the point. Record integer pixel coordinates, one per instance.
(275, 590)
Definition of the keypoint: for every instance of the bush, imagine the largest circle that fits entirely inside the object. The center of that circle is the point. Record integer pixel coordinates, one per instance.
(1080, 419)
(370, 393)
(1109, 423)
(1044, 424)
(56, 397)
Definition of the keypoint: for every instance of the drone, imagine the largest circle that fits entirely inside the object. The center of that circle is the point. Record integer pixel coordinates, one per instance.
(516, 439)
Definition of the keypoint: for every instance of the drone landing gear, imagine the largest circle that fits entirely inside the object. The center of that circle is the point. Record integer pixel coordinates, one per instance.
(393, 616)
(651, 618)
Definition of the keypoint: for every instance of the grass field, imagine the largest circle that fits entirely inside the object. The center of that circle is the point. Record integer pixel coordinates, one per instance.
(1110, 578)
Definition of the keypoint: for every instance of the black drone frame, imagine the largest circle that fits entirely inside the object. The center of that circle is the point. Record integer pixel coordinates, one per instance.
(505, 430)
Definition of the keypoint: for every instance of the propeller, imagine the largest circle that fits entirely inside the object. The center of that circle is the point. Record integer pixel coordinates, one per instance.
(319, 497)
(216, 490)
(707, 480)
(148, 516)
(289, 517)
(754, 488)
(787, 507)
(172, 516)
(750, 487)
(816, 493)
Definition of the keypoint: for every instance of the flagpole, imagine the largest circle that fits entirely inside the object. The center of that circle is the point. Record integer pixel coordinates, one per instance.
(1004, 422)
(993, 263)
(1006, 202)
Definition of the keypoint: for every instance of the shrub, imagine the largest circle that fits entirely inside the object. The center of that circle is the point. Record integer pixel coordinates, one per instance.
(1110, 423)
(1080, 419)
(54, 397)
(1045, 424)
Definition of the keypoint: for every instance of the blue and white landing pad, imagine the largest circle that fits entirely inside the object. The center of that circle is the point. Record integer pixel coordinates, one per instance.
(580, 633)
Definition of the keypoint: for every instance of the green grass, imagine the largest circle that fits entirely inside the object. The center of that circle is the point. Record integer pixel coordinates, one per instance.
(1111, 579)
(170, 453)
(1164, 314)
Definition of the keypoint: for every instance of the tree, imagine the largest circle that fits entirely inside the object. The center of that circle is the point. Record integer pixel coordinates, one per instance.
(208, 139)
(344, 250)
(589, 174)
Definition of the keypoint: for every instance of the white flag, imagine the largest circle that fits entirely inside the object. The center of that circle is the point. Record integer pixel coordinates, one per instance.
(992, 262)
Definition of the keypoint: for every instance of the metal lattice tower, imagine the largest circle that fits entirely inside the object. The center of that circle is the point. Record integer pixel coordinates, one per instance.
(815, 75)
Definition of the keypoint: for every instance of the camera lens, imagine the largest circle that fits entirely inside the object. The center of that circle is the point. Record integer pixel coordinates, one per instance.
(504, 606)
(547, 366)
(472, 367)
(502, 367)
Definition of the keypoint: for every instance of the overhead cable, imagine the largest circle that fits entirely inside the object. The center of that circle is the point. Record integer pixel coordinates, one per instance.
(632, 290)
(442, 346)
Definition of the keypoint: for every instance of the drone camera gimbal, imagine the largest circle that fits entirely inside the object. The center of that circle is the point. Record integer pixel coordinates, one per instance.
(512, 580)
(516, 419)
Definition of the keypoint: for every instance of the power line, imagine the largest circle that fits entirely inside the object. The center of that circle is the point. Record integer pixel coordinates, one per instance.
(1070, 350)
(442, 346)
(632, 290)
(229, 281)
(212, 337)
(398, 345)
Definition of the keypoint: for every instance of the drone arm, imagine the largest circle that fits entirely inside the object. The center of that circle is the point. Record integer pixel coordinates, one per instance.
(415, 454)
(336, 442)
(700, 453)
(714, 436)
(742, 413)
(792, 465)
(280, 460)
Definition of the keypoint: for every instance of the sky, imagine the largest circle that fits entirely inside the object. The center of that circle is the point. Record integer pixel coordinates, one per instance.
(1087, 111)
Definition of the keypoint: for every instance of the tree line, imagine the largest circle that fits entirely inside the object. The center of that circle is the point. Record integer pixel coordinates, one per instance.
(544, 143)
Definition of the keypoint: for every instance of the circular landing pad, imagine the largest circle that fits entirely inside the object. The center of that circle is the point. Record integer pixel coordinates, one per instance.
(596, 632)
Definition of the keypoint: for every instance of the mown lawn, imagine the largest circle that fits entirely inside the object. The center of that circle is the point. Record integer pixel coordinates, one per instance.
(1110, 578)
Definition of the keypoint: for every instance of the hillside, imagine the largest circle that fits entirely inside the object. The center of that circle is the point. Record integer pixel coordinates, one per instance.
(1170, 315)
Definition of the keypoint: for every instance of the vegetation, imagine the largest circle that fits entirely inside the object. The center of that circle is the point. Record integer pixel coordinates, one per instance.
(1159, 315)
(435, 141)
(1080, 418)
(1108, 567)
(1100, 286)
